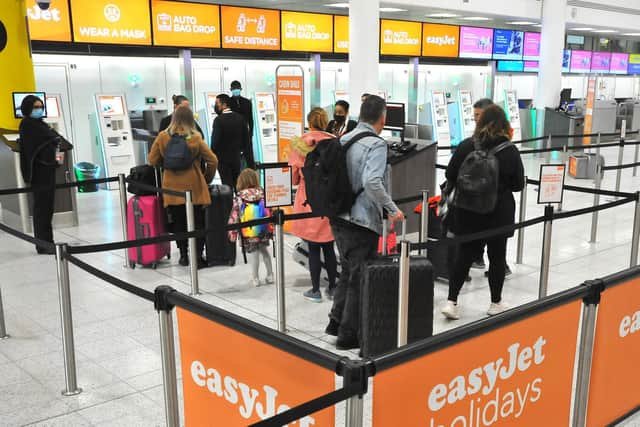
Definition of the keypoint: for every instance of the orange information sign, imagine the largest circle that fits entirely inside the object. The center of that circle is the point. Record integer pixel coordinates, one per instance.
(290, 100)
(52, 24)
(341, 34)
(588, 116)
(613, 390)
(440, 40)
(521, 374)
(111, 21)
(246, 28)
(245, 380)
(185, 24)
(400, 37)
(307, 32)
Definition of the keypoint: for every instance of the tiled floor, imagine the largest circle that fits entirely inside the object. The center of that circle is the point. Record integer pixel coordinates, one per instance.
(117, 343)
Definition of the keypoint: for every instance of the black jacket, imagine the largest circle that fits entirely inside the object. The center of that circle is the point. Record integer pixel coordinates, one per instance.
(331, 128)
(38, 143)
(244, 107)
(230, 138)
(164, 124)
(511, 179)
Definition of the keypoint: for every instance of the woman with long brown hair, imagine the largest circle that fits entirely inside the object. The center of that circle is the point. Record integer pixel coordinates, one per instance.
(492, 130)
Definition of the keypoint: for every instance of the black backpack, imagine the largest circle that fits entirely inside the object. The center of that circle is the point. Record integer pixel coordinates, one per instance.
(477, 183)
(177, 155)
(144, 174)
(329, 191)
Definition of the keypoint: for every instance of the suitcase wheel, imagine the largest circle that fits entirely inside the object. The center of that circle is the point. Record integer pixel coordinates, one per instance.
(154, 265)
(132, 265)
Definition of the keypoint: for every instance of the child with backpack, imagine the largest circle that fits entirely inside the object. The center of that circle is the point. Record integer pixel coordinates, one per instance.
(249, 205)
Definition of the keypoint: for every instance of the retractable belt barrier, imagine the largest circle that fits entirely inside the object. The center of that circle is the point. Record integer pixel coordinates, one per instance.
(153, 189)
(57, 186)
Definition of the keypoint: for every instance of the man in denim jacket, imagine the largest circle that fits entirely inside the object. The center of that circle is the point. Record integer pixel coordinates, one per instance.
(357, 232)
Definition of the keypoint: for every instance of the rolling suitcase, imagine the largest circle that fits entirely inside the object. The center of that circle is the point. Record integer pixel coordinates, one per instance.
(146, 219)
(379, 303)
(220, 251)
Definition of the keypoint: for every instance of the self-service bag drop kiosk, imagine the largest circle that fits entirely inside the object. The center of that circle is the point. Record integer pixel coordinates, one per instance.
(461, 121)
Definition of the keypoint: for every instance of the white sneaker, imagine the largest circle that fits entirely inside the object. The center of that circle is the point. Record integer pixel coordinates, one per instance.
(270, 280)
(497, 308)
(451, 311)
(254, 282)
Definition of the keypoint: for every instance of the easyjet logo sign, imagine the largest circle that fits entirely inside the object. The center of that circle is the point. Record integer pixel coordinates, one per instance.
(440, 40)
(34, 13)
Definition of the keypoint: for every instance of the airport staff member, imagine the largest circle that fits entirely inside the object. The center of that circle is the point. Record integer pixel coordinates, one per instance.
(178, 101)
(242, 105)
(229, 141)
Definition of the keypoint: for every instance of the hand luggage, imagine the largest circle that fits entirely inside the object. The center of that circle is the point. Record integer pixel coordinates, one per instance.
(301, 256)
(379, 303)
(220, 251)
(144, 174)
(146, 219)
(440, 256)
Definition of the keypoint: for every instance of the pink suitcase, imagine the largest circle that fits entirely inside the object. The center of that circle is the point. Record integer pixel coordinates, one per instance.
(145, 219)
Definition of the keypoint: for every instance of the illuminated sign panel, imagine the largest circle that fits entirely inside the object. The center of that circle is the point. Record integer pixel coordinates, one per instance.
(185, 24)
(440, 40)
(307, 32)
(245, 28)
(111, 21)
(52, 24)
(400, 38)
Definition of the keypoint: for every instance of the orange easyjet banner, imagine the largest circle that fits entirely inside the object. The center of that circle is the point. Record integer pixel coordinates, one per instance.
(307, 32)
(52, 24)
(185, 24)
(111, 21)
(231, 379)
(245, 28)
(440, 40)
(588, 117)
(341, 34)
(290, 100)
(517, 375)
(615, 377)
(400, 37)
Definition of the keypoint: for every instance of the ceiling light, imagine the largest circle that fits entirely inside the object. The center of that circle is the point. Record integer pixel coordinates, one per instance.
(605, 31)
(340, 5)
(632, 34)
(476, 18)
(441, 15)
(521, 23)
(537, 25)
(392, 9)
(582, 29)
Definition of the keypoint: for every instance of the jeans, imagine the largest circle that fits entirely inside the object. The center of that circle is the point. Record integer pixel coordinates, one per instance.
(179, 225)
(356, 246)
(315, 265)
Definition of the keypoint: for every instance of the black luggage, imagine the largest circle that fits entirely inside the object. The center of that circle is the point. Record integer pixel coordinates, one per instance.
(379, 303)
(144, 174)
(440, 255)
(220, 251)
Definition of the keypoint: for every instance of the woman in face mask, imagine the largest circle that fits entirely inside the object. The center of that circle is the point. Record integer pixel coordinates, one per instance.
(341, 123)
(38, 149)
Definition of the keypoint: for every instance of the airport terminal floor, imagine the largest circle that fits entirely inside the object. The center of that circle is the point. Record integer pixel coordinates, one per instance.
(117, 341)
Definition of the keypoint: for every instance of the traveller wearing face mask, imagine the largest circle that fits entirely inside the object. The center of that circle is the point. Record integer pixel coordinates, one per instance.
(38, 146)
(341, 123)
(241, 105)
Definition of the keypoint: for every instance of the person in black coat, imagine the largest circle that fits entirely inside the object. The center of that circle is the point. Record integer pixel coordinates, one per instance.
(38, 146)
(178, 101)
(492, 129)
(241, 105)
(341, 123)
(230, 141)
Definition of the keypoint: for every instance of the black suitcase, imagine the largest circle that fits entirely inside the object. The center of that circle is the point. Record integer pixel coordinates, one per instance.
(440, 255)
(220, 251)
(379, 303)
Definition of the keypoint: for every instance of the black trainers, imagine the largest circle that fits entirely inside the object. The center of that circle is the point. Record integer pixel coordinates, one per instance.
(332, 328)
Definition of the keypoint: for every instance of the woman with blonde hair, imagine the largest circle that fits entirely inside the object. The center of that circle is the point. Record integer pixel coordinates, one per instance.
(315, 231)
(195, 177)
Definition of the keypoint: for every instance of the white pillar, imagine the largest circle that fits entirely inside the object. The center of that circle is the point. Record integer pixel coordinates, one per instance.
(364, 39)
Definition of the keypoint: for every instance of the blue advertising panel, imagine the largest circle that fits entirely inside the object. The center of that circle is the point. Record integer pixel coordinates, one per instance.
(508, 44)
(566, 61)
(510, 66)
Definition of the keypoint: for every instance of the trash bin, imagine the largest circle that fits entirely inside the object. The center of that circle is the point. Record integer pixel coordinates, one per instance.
(86, 171)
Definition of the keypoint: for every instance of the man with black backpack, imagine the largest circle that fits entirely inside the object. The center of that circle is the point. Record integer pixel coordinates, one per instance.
(355, 190)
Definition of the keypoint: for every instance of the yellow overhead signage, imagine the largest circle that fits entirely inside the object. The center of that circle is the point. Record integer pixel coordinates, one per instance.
(111, 21)
(400, 38)
(341, 34)
(185, 24)
(52, 24)
(307, 32)
(246, 28)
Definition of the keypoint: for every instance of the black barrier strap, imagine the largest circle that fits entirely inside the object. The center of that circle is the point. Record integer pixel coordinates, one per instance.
(128, 287)
(296, 217)
(616, 167)
(153, 189)
(22, 236)
(408, 200)
(441, 166)
(601, 192)
(126, 244)
(57, 186)
(564, 215)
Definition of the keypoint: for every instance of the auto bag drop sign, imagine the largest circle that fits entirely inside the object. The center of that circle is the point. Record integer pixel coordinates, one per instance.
(521, 374)
(185, 24)
(111, 21)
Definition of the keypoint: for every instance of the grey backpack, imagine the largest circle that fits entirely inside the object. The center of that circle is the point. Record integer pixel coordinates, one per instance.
(476, 188)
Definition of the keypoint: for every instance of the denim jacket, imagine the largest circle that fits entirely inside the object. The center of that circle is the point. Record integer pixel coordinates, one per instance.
(367, 165)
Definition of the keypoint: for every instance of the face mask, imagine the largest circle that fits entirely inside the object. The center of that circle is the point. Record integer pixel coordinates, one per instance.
(37, 113)
(339, 119)
(236, 92)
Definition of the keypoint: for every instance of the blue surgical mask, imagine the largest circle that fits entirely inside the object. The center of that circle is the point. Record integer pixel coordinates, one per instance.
(37, 113)
(236, 92)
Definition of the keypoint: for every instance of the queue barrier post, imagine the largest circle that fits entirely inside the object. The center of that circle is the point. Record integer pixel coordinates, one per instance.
(403, 290)
(122, 188)
(596, 202)
(635, 239)
(523, 215)
(3, 328)
(546, 252)
(547, 155)
(280, 277)
(424, 220)
(193, 251)
(355, 412)
(385, 234)
(168, 355)
(635, 158)
(66, 320)
(620, 155)
(355, 377)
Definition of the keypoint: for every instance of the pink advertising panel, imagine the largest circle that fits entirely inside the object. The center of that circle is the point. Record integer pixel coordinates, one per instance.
(476, 42)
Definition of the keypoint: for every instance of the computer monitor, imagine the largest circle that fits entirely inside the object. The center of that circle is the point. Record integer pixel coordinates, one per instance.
(565, 98)
(395, 116)
(18, 97)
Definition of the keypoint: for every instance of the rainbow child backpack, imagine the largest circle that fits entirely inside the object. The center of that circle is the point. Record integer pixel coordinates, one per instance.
(250, 211)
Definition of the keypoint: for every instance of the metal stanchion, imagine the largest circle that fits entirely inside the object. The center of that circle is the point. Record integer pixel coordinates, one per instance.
(403, 290)
(596, 202)
(587, 338)
(168, 354)
(123, 214)
(546, 252)
(3, 328)
(193, 254)
(635, 240)
(66, 319)
(355, 412)
(635, 158)
(547, 155)
(385, 234)
(623, 133)
(424, 220)
(280, 288)
(523, 217)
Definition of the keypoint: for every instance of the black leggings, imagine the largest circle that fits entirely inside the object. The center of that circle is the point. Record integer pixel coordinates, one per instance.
(179, 224)
(315, 265)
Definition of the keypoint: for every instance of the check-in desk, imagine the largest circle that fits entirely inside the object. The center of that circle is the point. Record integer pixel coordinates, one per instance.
(17, 208)
(561, 123)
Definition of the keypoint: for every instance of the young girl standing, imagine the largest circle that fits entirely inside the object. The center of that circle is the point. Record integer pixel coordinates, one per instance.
(249, 205)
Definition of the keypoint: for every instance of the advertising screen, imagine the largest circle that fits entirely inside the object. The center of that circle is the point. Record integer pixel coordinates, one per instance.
(531, 46)
(634, 64)
(245, 28)
(510, 66)
(111, 105)
(307, 32)
(619, 63)
(440, 40)
(400, 37)
(476, 42)
(17, 102)
(341, 34)
(507, 44)
(601, 62)
(185, 24)
(52, 24)
(580, 61)
(531, 66)
(566, 61)
(111, 21)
